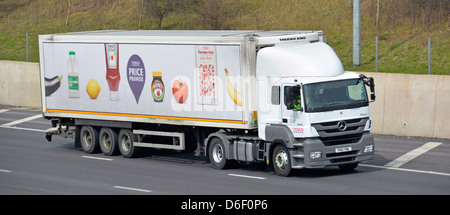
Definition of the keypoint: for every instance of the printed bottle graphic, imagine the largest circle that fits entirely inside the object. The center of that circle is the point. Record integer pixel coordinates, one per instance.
(112, 70)
(72, 73)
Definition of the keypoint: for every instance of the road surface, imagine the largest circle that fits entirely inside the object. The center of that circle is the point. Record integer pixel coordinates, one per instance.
(31, 165)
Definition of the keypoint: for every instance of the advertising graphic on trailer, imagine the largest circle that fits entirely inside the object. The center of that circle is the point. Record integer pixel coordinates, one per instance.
(175, 80)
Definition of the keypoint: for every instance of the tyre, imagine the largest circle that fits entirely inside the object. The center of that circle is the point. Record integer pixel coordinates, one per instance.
(126, 144)
(217, 155)
(109, 143)
(281, 162)
(89, 139)
(348, 167)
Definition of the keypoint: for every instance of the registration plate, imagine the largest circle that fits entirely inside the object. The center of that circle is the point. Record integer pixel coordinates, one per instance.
(343, 149)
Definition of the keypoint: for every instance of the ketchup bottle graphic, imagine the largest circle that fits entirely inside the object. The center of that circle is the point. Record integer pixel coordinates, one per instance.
(112, 70)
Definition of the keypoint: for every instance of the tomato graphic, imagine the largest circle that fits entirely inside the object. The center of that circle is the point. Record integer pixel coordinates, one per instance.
(180, 91)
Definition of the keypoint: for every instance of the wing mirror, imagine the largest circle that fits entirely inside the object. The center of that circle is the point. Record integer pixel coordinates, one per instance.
(371, 84)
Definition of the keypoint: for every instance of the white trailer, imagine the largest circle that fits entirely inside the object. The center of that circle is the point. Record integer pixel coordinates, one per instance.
(279, 97)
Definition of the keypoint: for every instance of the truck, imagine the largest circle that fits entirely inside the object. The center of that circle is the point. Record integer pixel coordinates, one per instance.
(281, 98)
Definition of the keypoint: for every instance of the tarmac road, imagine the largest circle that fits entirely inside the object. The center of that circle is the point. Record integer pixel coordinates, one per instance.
(31, 165)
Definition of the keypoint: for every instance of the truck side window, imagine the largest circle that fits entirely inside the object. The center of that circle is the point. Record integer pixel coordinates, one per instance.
(275, 95)
(292, 98)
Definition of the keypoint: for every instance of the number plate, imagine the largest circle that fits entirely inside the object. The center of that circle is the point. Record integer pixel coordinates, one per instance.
(343, 149)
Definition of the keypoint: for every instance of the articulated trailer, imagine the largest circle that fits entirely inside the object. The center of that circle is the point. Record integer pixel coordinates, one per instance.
(277, 97)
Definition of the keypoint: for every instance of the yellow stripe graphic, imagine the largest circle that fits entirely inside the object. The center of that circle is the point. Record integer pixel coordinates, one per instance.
(145, 116)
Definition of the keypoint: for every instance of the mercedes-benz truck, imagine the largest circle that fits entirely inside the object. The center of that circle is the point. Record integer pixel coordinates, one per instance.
(276, 97)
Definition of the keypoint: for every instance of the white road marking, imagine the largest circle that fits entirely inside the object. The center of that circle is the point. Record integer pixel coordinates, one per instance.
(4, 170)
(133, 189)
(3, 110)
(97, 158)
(26, 129)
(9, 124)
(247, 176)
(412, 154)
(406, 170)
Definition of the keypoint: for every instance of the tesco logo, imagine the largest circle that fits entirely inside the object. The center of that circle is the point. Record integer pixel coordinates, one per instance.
(298, 130)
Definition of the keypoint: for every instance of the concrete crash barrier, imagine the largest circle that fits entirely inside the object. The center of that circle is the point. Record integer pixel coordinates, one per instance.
(19, 84)
(411, 105)
(406, 104)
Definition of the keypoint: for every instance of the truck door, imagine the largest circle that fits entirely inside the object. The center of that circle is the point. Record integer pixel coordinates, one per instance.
(292, 104)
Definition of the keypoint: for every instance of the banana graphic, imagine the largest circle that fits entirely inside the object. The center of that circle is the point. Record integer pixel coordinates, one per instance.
(233, 93)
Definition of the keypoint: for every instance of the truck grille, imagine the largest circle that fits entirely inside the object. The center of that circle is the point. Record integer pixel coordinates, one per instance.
(330, 134)
(339, 140)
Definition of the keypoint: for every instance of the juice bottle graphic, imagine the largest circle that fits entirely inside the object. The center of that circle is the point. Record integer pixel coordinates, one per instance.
(72, 73)
(112, 70)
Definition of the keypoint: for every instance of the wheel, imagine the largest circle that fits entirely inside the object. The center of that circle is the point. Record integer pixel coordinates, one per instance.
(109, 143)
(348, 167)
(217, 155)
(89, 139)
(126, 143)
(280, 161)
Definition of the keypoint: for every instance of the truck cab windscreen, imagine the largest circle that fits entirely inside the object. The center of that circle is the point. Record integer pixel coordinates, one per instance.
(335, 95)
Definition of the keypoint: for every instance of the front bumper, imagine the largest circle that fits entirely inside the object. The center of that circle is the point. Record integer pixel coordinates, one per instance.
(332, 155)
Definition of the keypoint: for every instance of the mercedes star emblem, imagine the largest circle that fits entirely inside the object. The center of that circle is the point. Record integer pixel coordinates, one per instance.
(342, 125)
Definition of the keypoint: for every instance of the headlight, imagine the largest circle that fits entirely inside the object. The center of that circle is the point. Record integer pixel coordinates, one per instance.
(315, 155)
(368, 125)
(368, 149)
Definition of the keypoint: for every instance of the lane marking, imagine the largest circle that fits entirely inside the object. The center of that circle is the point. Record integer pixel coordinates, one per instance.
(406, 170)
(9, 124)
(133, 189)
(412, 154)
(247, 176)
(97, 158)
(4, 170)
(3, 110)
(26, 129)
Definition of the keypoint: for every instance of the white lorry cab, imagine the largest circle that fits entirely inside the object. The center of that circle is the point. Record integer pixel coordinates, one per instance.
(277, 97)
